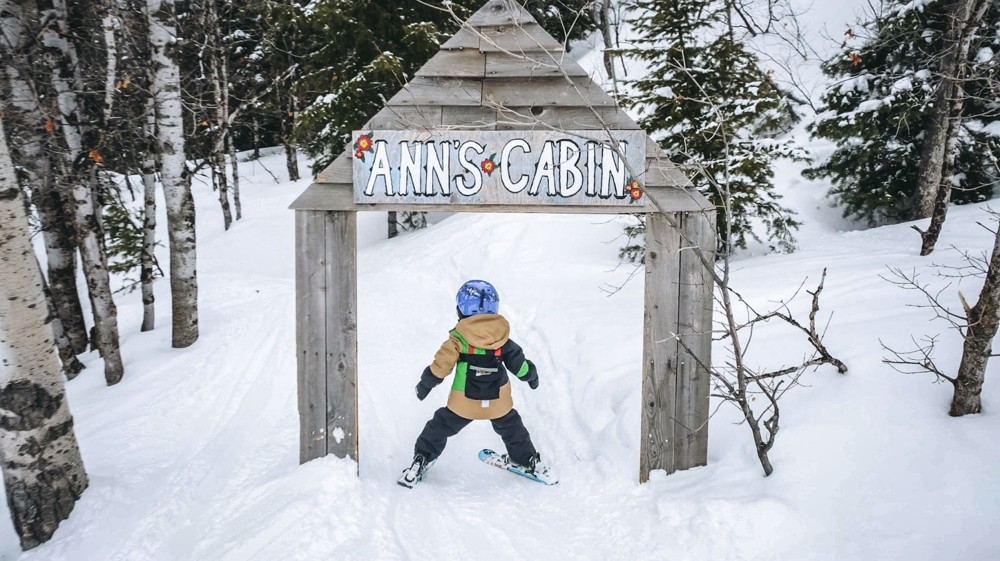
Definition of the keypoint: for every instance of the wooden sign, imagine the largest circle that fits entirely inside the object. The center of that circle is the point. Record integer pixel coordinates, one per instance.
(585, 167)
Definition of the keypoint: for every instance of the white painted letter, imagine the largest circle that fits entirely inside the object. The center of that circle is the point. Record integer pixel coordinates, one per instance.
(409, 168)
(569, 155)
(545, 169)
(437, 167)
(613, 170)
(592, 168)
(380, 168)
(504, 165)
(470, 167)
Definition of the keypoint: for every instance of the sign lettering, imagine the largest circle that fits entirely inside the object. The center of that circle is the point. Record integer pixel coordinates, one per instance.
(499, 167)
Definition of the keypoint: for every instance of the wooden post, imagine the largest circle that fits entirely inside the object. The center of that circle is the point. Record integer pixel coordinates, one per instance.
(342, 334)
(326, 307)
(659, 348)
(694, 324)
(310, 311)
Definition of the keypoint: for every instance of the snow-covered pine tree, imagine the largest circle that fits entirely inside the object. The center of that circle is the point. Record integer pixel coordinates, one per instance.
(715, 111)
(42, 468)
(878, 108)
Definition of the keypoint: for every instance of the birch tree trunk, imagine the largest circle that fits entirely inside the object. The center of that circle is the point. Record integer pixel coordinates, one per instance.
(964, 19)
(148, 263)
(79, 160)
(982, 319)
(95, 269)
(230, 144)
(291, 153)
(218, 155)
(19, 24)
(42, 468)
(174, 177)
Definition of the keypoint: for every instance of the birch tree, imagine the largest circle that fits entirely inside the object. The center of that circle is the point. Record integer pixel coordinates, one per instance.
(42, 468)
(176, 181)
(75, 125)
(937, 160)
(33, 128)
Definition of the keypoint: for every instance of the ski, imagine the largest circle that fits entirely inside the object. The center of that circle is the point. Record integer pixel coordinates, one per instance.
(543, 474)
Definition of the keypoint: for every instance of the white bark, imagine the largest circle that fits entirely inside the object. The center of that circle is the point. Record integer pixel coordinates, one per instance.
(67, 81)
(17, 20)
(174, 177)
(148, 247)
(95, 269)
(42, 468)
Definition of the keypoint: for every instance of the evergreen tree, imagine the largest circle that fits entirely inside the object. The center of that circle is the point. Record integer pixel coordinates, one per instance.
(717, 112)
(877, 111)
(360, 53)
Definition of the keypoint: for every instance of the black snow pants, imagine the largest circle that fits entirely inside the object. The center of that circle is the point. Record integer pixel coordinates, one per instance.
(445, 424)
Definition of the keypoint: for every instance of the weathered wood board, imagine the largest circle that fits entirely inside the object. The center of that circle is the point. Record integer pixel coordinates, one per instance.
(581, 167)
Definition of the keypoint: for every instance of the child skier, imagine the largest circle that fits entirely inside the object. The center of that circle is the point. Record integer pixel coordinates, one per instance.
(477, 349)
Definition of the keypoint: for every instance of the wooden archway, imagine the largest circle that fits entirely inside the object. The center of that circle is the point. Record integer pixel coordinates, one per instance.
(503, 72)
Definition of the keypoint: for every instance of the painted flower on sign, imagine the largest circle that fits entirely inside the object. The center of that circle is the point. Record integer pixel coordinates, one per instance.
(634, 191)
(489, 165)
(362, 145)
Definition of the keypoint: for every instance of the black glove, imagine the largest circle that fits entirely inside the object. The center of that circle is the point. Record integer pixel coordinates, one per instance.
(427, 382)
(532, 376)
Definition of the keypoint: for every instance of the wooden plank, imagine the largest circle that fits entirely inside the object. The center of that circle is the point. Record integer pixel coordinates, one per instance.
(310, 332)
(455, 63)
(542, 92)
(531, 64)
(423, 90)
(340, 196)
(469, 117)
(517, 39)
(661, 172)
(563, 118)
(659, 349)
(341, 232)
(694, 324)
(405, 117)
(465, 38)
(339, 171)
(500, 12)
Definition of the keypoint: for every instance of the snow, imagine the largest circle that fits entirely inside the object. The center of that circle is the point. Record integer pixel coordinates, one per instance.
(194, 455)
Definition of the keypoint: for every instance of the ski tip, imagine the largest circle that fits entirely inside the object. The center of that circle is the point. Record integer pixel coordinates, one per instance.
(485, 453)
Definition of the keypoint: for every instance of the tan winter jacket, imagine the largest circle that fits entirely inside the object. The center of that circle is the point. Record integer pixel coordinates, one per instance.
(484, 331)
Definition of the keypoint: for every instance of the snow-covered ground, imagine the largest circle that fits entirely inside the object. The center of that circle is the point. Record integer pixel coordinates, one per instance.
(195, 454)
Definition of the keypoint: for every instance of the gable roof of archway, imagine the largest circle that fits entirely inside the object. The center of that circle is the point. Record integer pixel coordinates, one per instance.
(503, 71)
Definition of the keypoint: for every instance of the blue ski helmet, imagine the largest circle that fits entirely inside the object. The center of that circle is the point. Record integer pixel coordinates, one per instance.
(477, 297)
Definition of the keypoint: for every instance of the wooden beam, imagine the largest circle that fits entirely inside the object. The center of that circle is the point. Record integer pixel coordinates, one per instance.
(529, 37)
(431, 91)
(531, 64)
(694, 324)
(542, 92)
(466, 38)
(340, 196)
(310, 311)
(405, 117)
(455, 64)
(563, 118)
(500, 12)
(341, 233)
(659, 348)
